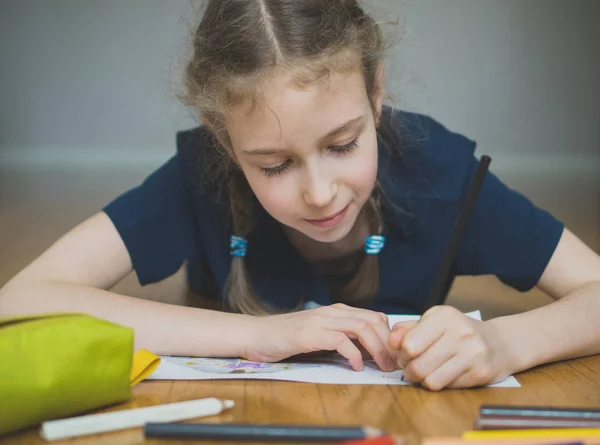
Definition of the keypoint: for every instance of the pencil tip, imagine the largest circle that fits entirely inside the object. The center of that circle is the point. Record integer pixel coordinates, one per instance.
(228, 404)
(373, 432)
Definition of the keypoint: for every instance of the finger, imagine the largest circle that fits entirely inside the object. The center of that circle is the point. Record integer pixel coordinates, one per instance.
(418, 339)
(450, 371)
(382, 329)
(384, 317)
(343, 310)
(367, 336)
(433, 358)
(435, 310)
(398, 332)
(367, 356)
(361, 348)
(378, 320)
(338, 341)
(477, 375)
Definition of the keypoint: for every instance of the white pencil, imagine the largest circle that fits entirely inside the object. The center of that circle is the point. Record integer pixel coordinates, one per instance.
(131, 418)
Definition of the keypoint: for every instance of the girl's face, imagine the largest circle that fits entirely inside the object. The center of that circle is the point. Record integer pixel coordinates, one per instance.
(310, 154)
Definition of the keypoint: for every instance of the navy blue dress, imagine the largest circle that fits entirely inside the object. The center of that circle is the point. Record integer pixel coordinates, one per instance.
(176, 217)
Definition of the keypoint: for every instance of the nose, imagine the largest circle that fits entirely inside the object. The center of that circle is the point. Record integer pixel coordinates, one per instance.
(320, 189)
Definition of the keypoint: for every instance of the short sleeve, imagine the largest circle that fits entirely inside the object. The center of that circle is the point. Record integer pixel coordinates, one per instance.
(507, 236)
(156, 224)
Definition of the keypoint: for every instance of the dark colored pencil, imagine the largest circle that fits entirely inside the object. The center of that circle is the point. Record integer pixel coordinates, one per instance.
(540, 411)
(261, 433)
(464, 214)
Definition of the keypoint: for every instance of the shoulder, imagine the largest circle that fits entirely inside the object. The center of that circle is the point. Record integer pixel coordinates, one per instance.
(430, 162)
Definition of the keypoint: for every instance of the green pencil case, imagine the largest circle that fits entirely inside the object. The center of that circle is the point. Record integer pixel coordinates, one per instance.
(56, 365)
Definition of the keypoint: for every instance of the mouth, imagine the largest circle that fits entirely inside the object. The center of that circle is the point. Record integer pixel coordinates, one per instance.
(331, 220)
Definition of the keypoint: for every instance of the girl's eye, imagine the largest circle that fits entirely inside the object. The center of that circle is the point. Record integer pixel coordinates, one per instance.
(277, 170)
(345, 148)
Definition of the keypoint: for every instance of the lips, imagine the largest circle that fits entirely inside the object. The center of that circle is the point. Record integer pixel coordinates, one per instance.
(330, 221)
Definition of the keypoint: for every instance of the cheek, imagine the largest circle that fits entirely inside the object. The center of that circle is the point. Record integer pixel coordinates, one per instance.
(361, 172)
(276, 195)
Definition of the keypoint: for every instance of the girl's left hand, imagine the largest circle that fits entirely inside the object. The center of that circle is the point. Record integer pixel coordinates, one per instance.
(448, 349)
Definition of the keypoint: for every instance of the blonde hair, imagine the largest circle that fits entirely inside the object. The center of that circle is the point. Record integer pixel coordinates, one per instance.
(237, 46)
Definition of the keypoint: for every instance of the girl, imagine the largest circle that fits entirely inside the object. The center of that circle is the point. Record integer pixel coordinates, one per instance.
(300, 188)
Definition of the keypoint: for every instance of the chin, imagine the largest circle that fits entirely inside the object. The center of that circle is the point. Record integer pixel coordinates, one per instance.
(331, 235)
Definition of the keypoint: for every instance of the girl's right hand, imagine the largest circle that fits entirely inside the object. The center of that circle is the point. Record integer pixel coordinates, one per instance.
(327, 328)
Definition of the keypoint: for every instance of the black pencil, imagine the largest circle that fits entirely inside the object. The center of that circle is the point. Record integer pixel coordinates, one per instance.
(262, 433)
(464, 214)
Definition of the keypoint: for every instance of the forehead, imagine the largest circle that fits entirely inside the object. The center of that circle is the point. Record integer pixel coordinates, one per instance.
(288, 111)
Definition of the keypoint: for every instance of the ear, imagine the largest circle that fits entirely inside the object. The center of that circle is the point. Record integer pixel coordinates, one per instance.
(378, 92)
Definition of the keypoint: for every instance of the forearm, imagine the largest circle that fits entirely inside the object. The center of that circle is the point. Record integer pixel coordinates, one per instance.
(567, 328)
(161, 328)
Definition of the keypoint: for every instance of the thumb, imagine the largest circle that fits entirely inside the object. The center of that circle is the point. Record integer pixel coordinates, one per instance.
(398, 332)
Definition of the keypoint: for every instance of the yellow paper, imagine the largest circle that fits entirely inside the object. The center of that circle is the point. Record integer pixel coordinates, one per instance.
(144, 364)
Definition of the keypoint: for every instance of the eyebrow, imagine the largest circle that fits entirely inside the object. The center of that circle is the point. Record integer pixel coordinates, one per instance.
(336, 131)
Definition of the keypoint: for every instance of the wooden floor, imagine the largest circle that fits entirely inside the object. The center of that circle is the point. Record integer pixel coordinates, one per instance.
(37, 206)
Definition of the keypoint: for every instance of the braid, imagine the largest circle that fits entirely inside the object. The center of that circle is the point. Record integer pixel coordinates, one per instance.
(240, 295)
(362, 288)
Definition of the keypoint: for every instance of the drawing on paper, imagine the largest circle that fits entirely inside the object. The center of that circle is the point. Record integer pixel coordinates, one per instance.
(235, 365)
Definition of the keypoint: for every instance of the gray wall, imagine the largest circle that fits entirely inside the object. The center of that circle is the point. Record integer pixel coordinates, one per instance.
(91, 81)
(89, 78)
(520, 76)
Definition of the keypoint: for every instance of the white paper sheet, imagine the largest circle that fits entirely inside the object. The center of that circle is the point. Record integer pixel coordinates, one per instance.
(335, 370)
